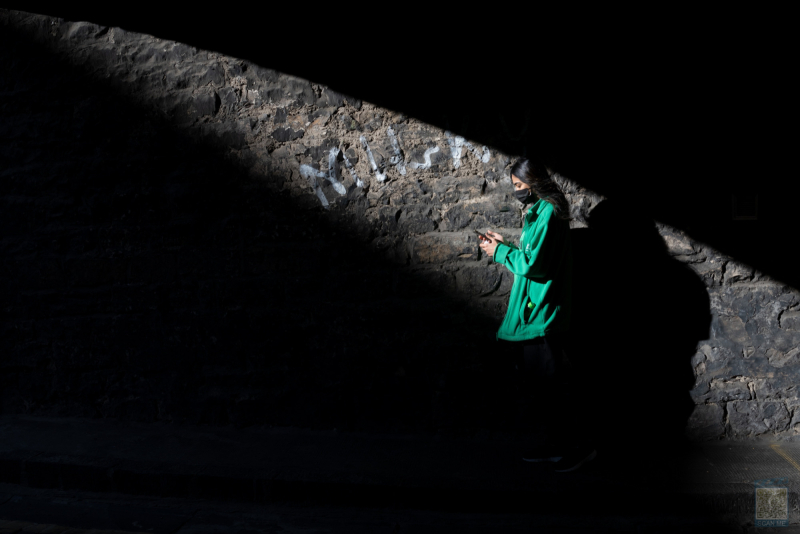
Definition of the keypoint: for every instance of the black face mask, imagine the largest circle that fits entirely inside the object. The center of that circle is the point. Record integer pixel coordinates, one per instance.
(524, 195)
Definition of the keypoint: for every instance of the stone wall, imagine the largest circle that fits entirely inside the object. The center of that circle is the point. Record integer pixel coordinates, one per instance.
(134, 255)
(747, 368)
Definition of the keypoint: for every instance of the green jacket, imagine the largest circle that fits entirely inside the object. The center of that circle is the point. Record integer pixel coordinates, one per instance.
(541, 297)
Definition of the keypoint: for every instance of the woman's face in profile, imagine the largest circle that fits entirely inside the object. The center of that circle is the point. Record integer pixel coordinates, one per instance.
(519, 184)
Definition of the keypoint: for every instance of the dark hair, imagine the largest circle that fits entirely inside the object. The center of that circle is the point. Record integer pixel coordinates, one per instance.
(535, 175)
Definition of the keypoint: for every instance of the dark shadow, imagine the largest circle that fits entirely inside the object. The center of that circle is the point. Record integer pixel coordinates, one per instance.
(148, 278)
(639, 315)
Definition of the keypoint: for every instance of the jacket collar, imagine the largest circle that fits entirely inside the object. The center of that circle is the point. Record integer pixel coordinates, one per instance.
(538, 206)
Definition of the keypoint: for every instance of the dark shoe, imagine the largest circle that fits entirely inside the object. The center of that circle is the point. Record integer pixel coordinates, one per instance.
(574, 458)
(542, 453)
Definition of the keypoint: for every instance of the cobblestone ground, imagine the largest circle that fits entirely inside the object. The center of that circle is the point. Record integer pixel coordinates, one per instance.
(24, 509)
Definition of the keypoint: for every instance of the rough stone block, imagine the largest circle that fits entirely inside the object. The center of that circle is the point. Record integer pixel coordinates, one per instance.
(212, 74)
(440, 247)
(720, 368)
(320, 152)
(705, 422)
(257, 76)
(290, 91)
(710, 273)
(350, 124)
(282, 135)
(734, 329)
(176, 78)
(80, 31)
(205, 103)
(753, 418)
(253, 97)
(478, 280)
(793, 407)
(781, 340)
(678, 244)
(737, 272)
(779, 358)
(414, 196)
(454, 189)
(700, 393)
(790, 320)
(320, 117)
(580, 207)
(723, 390)
(698, 358)
(506, 216)
(776, 387)
(387, 217)
(228, 96)
(330, 98)
(416, 220)
(457, 217)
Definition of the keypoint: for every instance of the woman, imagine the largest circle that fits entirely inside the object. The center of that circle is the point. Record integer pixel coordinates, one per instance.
(538, 313)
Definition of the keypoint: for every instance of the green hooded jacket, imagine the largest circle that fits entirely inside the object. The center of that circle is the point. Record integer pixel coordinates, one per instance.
(541, 297)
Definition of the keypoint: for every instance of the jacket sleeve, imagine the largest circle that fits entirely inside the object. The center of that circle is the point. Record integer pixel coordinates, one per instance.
(546, 244)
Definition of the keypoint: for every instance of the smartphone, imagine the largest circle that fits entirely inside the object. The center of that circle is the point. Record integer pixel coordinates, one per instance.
(480, 234)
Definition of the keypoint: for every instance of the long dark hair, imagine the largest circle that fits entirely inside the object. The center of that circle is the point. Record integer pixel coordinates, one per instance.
(535, 175)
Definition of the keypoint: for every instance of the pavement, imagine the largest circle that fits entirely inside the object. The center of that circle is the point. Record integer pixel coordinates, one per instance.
(706, 483)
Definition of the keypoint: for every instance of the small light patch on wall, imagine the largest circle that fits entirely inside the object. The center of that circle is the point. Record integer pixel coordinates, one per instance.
(745, 207)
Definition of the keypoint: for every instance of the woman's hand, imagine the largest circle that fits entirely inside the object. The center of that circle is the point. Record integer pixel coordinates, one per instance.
(497, 237)
(489, 245)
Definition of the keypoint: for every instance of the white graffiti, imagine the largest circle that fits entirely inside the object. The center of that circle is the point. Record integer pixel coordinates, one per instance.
(311, 174)
(332, 165)
(426, 157)
(397, 158)
(456, 145)
(381, 176)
